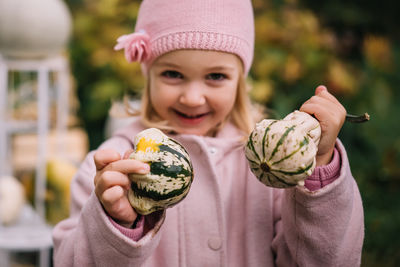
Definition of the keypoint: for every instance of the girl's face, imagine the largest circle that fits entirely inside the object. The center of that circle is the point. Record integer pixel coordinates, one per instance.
(194, 90)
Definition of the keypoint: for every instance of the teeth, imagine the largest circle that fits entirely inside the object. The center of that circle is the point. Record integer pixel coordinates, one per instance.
(189, 116)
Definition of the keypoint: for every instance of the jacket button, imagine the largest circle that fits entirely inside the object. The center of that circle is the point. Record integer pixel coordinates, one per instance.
(213, 150)
(214, 243)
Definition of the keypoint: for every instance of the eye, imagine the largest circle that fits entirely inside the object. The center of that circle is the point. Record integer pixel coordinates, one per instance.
(171, 74)
(216, 76)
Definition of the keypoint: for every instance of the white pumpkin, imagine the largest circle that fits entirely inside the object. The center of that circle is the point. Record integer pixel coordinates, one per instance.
(33, 28)
(12, 199)
(281, 153)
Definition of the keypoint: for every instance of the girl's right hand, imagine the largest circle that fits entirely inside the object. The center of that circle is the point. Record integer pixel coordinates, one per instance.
(112, 183)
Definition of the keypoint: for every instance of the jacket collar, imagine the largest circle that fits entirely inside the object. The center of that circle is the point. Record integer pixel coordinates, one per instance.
(229, 132)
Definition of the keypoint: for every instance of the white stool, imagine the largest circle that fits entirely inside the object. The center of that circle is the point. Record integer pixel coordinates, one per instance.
(29, 234)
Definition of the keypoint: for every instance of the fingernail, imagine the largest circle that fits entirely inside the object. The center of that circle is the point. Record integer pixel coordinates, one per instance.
(145, 168)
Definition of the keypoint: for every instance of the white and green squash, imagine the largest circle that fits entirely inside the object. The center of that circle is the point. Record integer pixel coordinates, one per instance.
(281, 153)
(170, 176)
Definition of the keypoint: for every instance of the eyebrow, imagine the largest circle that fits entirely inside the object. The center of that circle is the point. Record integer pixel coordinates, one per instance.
(168, 64)
(222, 68)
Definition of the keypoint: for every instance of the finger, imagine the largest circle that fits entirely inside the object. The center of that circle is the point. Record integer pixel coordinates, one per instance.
(112, 195)
(320, 89)
(128, 166)
(117, 205)
(315, 109)
(104, 156)
(319, 103)
(111, 199)
(330, 101)
(110, 179)
(325, 112)
(317, 100)
(122, 167)
(323, 92)
(128, 153)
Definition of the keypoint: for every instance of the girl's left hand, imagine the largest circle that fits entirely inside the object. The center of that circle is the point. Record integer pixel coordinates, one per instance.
(331, 116)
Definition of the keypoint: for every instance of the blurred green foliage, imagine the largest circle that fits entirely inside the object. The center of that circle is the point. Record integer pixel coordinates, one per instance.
(350, 46)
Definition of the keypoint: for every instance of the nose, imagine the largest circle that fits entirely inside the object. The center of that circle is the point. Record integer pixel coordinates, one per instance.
(193, 95)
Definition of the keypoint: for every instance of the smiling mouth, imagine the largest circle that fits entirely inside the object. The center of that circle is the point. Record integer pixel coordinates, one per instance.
(187, 116)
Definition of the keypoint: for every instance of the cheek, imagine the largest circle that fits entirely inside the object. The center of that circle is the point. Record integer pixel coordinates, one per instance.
(162, 98)
(230, 102)
(158, 96)
(224, 102)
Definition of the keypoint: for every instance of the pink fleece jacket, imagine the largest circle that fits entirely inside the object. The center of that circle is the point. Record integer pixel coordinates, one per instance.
(322, 175)
(228, 218)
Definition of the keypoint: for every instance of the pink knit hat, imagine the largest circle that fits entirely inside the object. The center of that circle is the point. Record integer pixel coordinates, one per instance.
(166, 25)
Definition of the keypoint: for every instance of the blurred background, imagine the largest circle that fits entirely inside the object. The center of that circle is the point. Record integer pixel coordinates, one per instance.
(352, 47)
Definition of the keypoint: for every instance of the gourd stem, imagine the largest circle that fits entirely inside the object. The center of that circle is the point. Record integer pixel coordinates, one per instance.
(264, 166)
(357, 119)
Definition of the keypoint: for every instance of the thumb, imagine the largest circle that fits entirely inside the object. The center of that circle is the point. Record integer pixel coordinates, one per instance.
(320, 89)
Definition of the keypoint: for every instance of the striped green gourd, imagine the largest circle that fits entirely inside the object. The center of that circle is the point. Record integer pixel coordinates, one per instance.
(282, 153)
(170, 176)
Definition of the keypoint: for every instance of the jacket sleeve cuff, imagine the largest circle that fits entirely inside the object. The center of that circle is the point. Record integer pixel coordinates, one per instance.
(104, 234)
(324, 175)
(133, 233)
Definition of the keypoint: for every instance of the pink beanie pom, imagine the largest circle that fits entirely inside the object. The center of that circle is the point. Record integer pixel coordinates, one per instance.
(216, 25)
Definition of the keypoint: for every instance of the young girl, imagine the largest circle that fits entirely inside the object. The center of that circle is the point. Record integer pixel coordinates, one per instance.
(196, 56)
